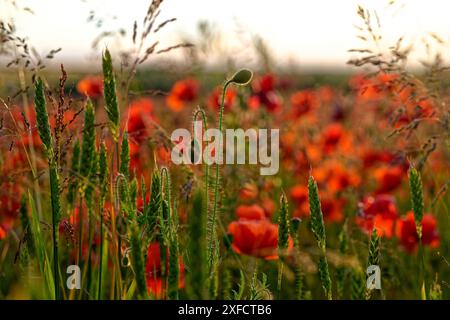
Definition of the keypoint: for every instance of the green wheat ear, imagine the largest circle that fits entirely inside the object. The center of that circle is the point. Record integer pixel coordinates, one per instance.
(374, 249)
(44, 132)
(242, 77)
(318, 229)
(42, 117)
(283, 225)
(416, 190)
(88, 144)
(154, 207)
(125, 156)
(109, 91)
(358, 285)
(283, 237)
(417, 203)
(317, 224)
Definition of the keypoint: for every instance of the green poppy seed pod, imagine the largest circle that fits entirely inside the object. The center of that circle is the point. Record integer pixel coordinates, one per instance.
(242, 77)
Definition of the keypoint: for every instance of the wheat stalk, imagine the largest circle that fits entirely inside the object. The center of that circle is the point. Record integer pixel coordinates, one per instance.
(46, 138)
(318, 229)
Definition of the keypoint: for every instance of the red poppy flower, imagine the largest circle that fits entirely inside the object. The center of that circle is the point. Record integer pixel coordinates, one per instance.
(326, 94)
(264, 94)
(163, 155)
(374, 88)
(331, 207)
(9, 203)
(379, 212)
(406, 232)
(271, 100)
(91, 86)
(215, 99)
(138, 120)
(334, 136)
(258, 238)
(268, 206)
(138, 116)
(153, 271)
(341, 178)
(299, 194)
(303, 102)
(27, 125)
(388, 178)
(248, 192)
(2, 232)
(251, 212)
(264, 83)
(371, 157)
(182, 92)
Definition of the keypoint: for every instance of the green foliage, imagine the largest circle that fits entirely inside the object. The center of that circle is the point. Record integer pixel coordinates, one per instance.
(42, 116)
(88, 145)
(374, 249)
(237, 295)
(259, 289)
(138, 260)
(341, 271)
(41, 254)
(103, 171)
(318, 229)
(358, 285)
(112, 106)
(153, 209)
(196, 247)
(283, 225)
(324, 275)
(283, 237)
(416, 190)
(174, 267)
(26, 226)
(317, 225)
(298, 272)
(374, 255)
(44, 133)
(74, 171)
(125, 156)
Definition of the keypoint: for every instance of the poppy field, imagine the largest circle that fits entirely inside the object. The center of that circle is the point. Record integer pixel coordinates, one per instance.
(93, 207)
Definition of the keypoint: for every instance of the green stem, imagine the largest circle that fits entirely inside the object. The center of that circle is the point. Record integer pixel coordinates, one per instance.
(280, 276)
(80, 232)
(100, 267)
(423, 284)
(54, 190)
(216, 182)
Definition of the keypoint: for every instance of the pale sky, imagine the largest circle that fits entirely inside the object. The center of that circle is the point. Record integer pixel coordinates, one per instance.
(316, 33)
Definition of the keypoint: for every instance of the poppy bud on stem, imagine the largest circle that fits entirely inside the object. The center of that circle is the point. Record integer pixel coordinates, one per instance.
(242, 78)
